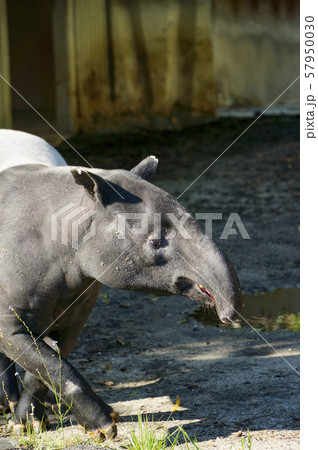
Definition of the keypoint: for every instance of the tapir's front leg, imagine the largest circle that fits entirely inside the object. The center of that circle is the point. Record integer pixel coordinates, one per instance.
(9, 392)
(48, 366)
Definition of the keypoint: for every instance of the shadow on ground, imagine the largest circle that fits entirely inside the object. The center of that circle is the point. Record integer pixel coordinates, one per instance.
(227, 380)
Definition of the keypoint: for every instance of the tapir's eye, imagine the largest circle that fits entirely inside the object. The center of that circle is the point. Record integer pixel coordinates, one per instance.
(157, 243)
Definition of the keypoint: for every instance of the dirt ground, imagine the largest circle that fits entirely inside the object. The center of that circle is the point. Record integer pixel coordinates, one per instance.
(141, 352)
(227, 380)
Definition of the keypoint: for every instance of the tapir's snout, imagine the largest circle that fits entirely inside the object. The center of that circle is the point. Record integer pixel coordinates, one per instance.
(227, 319)
(231, 311)
(217, 286)
(229, 303)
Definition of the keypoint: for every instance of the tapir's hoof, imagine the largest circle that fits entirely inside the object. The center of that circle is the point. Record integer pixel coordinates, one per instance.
(38, 426)
(105, 433)
(19, 428)
(11, 406)
(109, 432)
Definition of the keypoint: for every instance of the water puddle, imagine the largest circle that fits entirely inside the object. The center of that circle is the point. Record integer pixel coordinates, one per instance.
(277, 310)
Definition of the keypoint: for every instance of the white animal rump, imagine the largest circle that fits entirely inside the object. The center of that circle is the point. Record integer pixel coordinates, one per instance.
(18, 148)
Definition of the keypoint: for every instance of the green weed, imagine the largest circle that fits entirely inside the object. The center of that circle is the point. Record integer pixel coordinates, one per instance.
(148, 436)
(248, 445)
(290, 322)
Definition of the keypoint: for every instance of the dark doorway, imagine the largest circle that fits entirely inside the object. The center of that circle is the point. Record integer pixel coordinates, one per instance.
(32, 63)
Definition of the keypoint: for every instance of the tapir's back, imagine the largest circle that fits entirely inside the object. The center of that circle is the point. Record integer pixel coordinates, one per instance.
(18, 147)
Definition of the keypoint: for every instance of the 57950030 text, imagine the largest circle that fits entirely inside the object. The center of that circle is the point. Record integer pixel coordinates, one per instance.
(311, 101)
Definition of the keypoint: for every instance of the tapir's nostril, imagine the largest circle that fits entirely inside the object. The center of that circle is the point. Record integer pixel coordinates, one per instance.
(183, 284)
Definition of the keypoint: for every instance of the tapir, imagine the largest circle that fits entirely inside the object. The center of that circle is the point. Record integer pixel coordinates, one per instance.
(65, 231)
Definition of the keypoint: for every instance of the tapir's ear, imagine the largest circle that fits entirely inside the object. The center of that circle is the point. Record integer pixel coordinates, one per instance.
(89, 181)
(146, 168)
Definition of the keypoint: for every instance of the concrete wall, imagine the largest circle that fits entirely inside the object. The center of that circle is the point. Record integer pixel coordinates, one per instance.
(109, 65)
(133, 63)
(256, 51)
(5, 90)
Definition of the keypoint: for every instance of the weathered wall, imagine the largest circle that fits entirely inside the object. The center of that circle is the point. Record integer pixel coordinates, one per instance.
(162, 63)
(143, 63)
(116, 64)
(5, 91)
(160, 49)
(256, 51)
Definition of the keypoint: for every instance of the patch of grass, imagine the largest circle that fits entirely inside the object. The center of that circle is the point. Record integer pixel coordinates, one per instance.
(48, 440)
(32, 440)
(290, 322)
(247, 445)
(150, 437)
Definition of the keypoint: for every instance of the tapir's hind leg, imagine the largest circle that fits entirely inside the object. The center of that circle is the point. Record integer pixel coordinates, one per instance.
(9, 392)
(31, 403)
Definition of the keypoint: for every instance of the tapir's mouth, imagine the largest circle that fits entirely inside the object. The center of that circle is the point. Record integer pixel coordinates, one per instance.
(205, 291)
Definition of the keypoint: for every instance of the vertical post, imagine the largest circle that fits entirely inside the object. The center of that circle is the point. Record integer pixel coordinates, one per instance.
(190, 76)
(173, 56)
(81, 63)
(204, 97)
(5, 90)
(132, 96)
(64, 61)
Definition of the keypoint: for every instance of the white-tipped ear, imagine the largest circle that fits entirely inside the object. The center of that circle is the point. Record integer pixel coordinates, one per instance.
(89, 181)
(146, 168)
